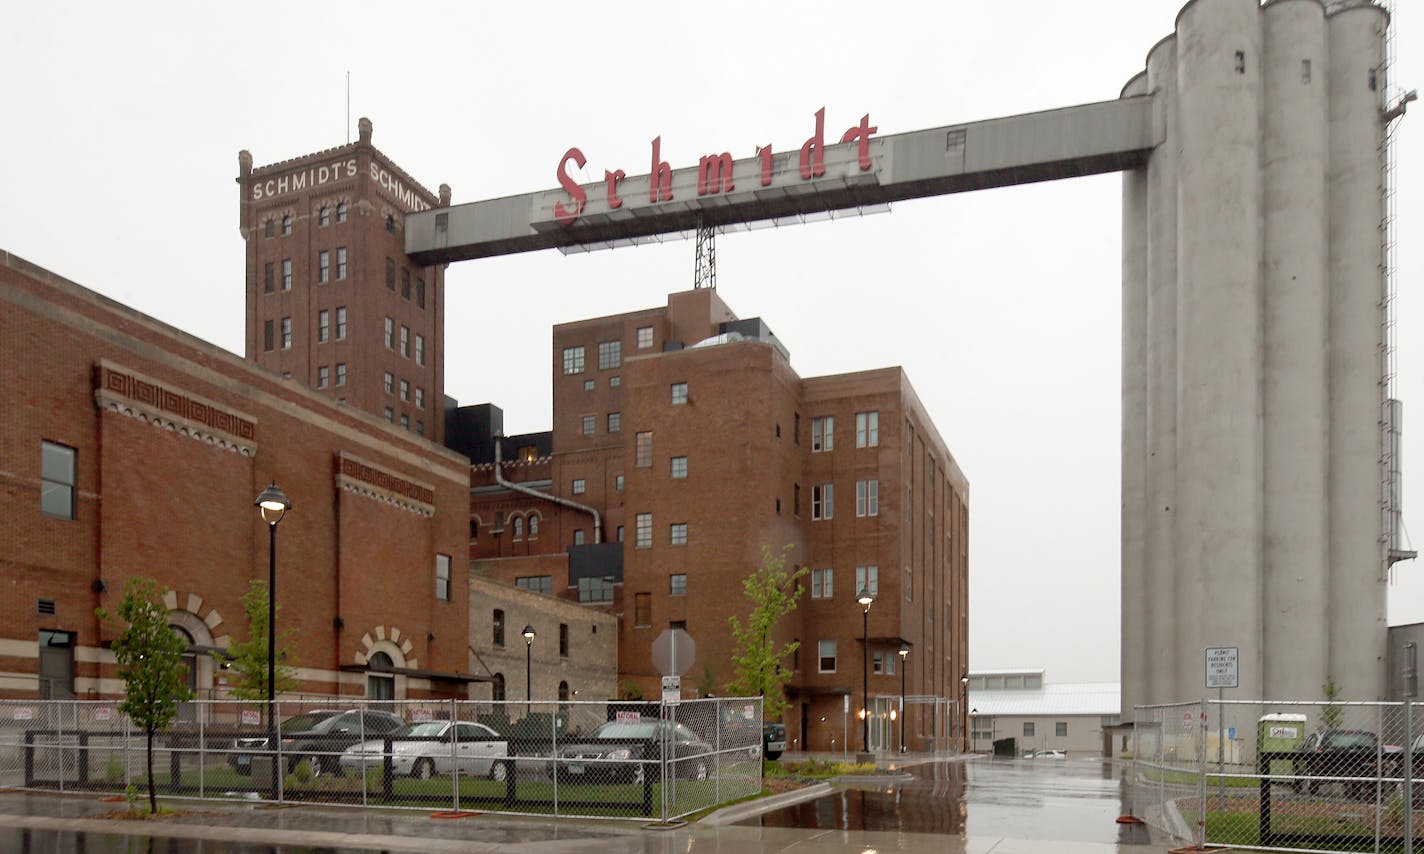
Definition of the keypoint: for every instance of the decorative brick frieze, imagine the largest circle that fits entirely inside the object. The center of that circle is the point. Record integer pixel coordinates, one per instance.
(363, 478)
(127, 392)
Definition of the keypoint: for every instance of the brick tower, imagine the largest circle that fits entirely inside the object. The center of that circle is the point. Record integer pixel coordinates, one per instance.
(332, 299)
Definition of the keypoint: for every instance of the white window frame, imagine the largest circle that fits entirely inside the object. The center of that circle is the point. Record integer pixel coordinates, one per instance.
(677, 534)
(823, 434)
(822, 647)
(868, 575)
(645, 337)
(867, 497)
(823, 501)
(573, 360)
(579, 486)
(679, 394)
(643, 531)
(823, 583)
(676, 471)
(867, 429)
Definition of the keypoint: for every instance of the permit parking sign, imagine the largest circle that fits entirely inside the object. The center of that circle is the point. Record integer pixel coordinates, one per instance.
(1221, 667)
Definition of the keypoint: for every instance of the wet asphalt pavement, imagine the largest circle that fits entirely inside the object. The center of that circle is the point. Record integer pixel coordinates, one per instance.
(951, 806)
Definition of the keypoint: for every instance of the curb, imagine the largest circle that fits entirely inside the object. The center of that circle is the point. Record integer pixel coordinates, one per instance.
(737, 812)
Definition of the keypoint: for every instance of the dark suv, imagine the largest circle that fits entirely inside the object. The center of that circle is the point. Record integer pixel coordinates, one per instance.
(1349, 753)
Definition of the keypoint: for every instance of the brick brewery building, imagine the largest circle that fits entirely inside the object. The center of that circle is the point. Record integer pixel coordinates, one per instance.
(683, 443)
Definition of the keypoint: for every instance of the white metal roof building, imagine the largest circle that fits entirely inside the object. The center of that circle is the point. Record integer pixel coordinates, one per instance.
(1038, 714)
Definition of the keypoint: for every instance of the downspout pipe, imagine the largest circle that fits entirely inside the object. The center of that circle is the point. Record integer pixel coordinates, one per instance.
(544, 496)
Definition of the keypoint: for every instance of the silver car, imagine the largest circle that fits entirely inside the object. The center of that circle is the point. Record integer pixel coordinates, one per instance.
(423, 750)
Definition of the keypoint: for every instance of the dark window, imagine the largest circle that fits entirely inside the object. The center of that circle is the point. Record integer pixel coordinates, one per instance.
(420, 293)
(390, 224)
(287, 224)
(405, 283)
(474, 529)
(564, 641)
(497, 688)
(324, 217)
(341, 212)
(269, 228)
(380, 685)
(498, 627)
(57, 480)
(56, 665)
(268, 335)
(643, 609)
(269, 278)
(390, 274)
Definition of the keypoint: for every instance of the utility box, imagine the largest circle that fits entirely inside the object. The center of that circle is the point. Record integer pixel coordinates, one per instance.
(1278, 732)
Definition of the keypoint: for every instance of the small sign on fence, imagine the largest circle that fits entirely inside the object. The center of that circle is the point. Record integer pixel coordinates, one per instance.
(24, 713)
(749, 711)
(1187, 719)
(421, 716)
(104, 713)
(251, 717)
(626, 717)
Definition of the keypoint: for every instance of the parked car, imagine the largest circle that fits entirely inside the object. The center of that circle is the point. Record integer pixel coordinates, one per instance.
(631, 752)
(317, 737)
(773, 737)
(1348, 753)
(423, 750)
(1047, 753)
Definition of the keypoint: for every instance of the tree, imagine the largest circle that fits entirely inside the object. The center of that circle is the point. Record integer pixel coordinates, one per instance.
(150, 657)
(757, 661)
(249, 657)
(1331, 715)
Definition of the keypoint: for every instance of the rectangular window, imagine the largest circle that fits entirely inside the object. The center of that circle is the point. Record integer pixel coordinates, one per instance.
(442, 577)
(286, 333)
(405, 421)
(573, 360)
(405, 342)
(341, 373)
(679, 468)
(620, 533)
(643, 532)
(420, 293)
(323, 325)
(877, 663)
(324, 216)
(578, 536)
(57, 480)
(287, 224)
(867, 497)
(340, 322)
(677, 584)
(420, 349)
(1060, 729)
(341, 262)
(405, 283)
(390, 274)
(615, 422)
(323, 375)
(536, 583)
(269, 278)
(615, 381)
(390, 383)
(677, 534)
(643, 609)
(390, 334)
(390, 415)
(563, 640)
(1028, 729)
(867, 429)
(867, 578)
(595, 590)
(341, 212)
(679, 394)
(826, 653)
(286, 274)
(405, 390)
(323, 266)
(823, 583)
(498, 626)
(618, 482)
(579, 486)
(823, 433)
(267, 335)
(419, 397)
(610, 354)
(645, 337)
(822, 500)
(587, 425)
(643, 449)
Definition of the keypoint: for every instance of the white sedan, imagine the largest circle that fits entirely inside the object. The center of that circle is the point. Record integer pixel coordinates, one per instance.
(423, 750)
(1046, 754)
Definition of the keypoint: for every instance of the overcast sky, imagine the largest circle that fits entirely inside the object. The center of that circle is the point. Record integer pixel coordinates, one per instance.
(122, 124)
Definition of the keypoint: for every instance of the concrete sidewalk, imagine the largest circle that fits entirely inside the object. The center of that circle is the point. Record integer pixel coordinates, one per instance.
(393, 830)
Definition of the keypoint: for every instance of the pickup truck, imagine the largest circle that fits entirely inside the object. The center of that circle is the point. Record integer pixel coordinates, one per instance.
(1344, 753)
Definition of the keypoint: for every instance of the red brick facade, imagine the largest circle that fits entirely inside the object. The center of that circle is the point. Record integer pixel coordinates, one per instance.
(741, 434)
(172, 439)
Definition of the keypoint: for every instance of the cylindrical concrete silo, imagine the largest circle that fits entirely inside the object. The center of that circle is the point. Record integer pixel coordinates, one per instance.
(1165, 606)
(1294, 380)
(1219, 438)
(1135, 614)
(1356, 586)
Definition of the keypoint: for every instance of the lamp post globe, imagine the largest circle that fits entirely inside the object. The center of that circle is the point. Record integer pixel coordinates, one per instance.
(865, 599)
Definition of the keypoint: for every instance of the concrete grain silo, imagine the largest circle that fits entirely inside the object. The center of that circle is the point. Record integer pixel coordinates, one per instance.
(1253, 378)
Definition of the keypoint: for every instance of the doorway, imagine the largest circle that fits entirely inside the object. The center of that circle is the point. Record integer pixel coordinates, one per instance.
(56, 665)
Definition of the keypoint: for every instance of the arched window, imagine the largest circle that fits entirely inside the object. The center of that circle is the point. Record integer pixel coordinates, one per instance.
(518, 527)
(564, 700)
(533, 525)
(324, 215)
(341, 212)
(497, 688)
(475, 528)
(563, 690)
(380, 686)
(190, 675)
(287, 224)
(498, 626)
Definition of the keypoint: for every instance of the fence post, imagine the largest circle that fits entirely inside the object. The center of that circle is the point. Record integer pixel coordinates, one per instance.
(454, 758)
(1201, 768)
(202, 746)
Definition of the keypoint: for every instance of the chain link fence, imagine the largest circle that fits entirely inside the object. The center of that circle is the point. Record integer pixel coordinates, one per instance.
(571, 758)
(1291, 776)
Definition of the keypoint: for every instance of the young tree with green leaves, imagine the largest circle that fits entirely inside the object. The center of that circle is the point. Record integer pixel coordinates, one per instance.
(150, 657)
(249, 657)
(772, 591)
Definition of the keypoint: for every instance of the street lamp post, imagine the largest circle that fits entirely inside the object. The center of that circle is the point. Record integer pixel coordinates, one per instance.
(904, 653)
(865, 598)
(273, 504)
(964, 700)
(528, 666)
